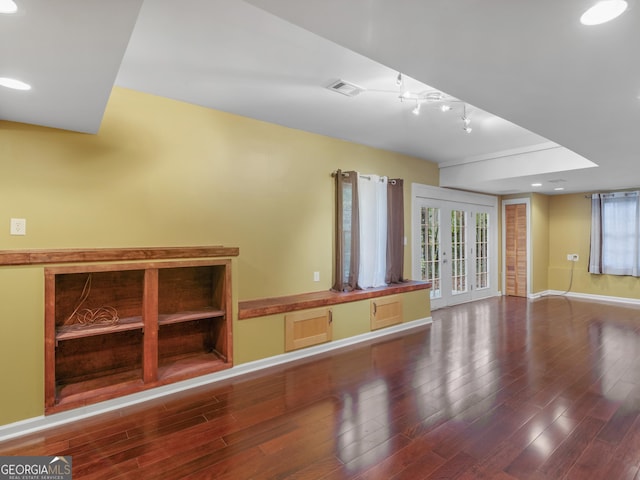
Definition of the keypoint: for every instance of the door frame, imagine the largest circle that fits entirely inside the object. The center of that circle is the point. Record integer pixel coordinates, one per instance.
(420, 193)
(516, 201)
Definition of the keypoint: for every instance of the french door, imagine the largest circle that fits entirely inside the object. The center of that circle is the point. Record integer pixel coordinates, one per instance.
(456, 246)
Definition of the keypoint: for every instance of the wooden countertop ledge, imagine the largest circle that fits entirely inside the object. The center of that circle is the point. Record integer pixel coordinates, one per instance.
(275, 305)
(88, 255)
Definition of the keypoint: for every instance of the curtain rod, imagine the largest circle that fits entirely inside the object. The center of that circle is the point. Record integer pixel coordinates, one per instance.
(613, 194)
(346, 174)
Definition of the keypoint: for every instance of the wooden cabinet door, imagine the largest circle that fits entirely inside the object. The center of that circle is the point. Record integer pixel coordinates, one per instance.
(307, 328)
(386, 311)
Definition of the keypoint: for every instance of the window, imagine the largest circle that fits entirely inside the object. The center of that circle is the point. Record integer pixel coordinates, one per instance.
(615, 234)
(369, 231)
(347, 222)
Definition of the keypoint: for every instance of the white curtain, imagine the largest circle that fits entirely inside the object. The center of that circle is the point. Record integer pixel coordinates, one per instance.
(372, 203)
(615, 234)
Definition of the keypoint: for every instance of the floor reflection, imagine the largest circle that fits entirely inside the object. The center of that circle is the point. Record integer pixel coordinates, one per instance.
(363, 423)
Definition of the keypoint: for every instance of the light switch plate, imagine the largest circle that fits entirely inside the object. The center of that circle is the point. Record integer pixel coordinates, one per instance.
(18, 226)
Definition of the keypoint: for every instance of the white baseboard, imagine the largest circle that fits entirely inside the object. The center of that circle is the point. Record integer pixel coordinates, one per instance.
(588, 296)
(35, 424)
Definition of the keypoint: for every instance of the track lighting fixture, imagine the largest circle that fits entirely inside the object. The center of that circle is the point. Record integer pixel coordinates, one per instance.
(466, 121)
(431, 97)
(444, 103)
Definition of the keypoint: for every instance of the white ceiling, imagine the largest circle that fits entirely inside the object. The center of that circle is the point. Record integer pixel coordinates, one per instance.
(531, 64)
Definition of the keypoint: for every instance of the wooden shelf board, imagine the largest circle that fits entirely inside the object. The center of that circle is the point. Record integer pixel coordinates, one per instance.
(70, 332)
(178, 317)
(181, 367)
(190, 365)
(75, 394)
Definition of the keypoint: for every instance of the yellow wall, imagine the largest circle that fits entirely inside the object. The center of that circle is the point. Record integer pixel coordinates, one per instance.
(21, 343)
(569, 232)
(166, 173)
(539, 241)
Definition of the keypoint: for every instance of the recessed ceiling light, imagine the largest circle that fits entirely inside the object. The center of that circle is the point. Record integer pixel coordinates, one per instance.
(13, 83)
(603, 12)
(557, 189)
(536, 184)
(8, 6)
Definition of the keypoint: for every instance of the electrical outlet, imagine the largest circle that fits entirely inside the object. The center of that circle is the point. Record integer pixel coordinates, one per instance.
(572, 257)
(18, 226)
(316, 276)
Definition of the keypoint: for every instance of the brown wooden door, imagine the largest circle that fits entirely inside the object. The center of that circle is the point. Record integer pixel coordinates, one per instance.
(516, 250)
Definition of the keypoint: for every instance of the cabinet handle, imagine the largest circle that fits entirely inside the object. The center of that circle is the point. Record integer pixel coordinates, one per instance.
(375, 308)
(330, 316)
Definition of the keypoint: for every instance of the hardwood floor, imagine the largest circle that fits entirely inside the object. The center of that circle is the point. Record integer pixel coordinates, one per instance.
(503, 388)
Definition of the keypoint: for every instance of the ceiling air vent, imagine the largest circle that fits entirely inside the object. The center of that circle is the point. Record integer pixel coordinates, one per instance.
(346, 88)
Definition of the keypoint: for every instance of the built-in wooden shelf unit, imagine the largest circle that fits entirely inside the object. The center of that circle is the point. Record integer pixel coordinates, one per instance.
(174, 322)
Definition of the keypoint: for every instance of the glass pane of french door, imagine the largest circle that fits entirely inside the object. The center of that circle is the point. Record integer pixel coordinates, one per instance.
(482, 250)
(430, 249)
(458, 252)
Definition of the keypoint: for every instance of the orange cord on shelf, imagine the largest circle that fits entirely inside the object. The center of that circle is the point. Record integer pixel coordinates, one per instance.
(87, 317)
